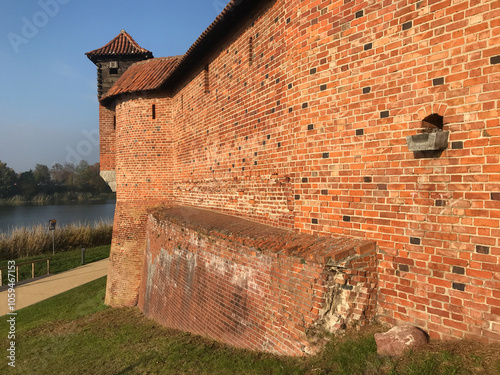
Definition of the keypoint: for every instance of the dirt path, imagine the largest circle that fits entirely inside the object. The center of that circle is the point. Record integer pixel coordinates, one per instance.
(39, 289)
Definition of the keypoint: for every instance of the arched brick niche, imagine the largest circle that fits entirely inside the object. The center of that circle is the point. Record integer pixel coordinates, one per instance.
(432, 123)
(432, 137)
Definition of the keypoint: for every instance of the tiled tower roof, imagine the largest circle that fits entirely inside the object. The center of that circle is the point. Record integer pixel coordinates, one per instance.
(143, 76)
(168, 74)
(122, 45)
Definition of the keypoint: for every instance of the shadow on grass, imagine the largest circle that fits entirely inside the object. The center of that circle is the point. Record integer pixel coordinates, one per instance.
(74, 333)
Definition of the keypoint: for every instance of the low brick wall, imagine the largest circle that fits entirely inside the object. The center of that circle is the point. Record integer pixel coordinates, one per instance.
(251, 285)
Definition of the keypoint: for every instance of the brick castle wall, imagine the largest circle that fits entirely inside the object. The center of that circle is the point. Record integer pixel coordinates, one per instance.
(107, 139)
(300, 122)
(143, 179)
(244, 284)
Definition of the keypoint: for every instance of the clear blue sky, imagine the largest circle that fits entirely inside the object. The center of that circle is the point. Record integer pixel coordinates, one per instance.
(48, 97)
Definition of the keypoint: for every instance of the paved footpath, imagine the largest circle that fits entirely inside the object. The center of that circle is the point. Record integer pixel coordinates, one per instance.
(31, 292)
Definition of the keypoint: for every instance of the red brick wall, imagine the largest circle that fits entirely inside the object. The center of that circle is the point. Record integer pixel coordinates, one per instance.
(311, 136)
(127, 254)
(143, 179)
(240, 285)
(107, 139)
(232, 153)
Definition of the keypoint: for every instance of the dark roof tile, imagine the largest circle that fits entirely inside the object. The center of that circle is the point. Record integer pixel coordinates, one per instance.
(122, 44)
(143, 76)
(140, 77)
(228, 18)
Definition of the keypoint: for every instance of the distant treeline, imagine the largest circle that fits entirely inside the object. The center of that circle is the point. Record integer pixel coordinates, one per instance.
(61, 182)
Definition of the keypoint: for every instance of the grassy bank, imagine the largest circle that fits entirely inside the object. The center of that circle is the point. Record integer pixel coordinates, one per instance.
(25, 242)
(74, 333)
(59, 262)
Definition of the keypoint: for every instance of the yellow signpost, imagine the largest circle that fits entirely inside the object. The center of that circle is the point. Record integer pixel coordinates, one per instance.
(52, 228)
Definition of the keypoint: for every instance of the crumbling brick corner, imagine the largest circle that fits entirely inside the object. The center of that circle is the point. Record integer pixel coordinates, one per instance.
(350, 294)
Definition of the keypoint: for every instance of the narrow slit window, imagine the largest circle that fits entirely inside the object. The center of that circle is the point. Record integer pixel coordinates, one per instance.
(250, 51)
(114, 122)
(207, 80)
(153, 111)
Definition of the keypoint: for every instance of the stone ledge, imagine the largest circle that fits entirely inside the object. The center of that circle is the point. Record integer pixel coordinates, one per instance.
(323, 250)
(428, 141)
(110, 178)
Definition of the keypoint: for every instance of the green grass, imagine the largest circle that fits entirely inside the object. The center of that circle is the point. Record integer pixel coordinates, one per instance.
(64, 308)
(74, 333)
(59, 262)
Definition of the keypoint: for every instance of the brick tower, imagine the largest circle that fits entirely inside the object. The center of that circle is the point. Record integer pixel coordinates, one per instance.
(112, 60)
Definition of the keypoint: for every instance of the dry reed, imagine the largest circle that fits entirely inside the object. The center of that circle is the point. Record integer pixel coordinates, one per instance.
(24, 242)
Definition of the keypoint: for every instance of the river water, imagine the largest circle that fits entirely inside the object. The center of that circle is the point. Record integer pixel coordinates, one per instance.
(33, 214)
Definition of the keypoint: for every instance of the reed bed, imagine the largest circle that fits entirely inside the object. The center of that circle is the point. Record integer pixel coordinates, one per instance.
(23, 242)
(57, 197)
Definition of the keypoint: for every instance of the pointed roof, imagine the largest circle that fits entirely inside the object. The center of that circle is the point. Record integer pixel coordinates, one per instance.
(122, 45)
(143, 76)
(166, 73)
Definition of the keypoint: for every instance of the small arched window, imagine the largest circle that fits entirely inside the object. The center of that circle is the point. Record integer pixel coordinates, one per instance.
(432, 140)
(250, 51)
(432, 123)
(207, 79)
